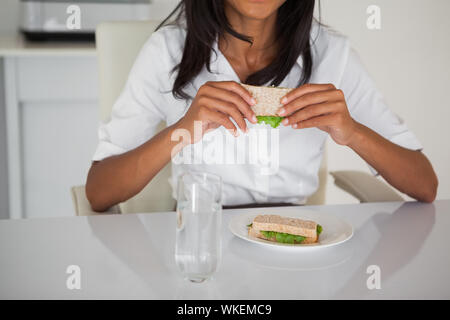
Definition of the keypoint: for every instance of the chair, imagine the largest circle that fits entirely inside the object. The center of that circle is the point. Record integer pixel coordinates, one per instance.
(118, 44)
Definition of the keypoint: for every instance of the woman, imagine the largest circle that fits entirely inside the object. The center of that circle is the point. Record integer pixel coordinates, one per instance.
(190, 71)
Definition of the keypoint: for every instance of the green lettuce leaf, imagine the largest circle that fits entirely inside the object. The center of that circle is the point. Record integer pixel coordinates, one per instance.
(267, 234)
(283, 237)
(272, 121)
(286, 237)
(319, 229)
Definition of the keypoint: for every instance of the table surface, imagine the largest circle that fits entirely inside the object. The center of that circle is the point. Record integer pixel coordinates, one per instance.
(132, 257)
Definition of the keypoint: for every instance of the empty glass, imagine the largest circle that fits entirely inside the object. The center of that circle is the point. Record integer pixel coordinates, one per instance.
(199, 219)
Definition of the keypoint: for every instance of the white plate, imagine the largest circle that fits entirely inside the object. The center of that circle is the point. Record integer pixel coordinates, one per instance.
(335, 230)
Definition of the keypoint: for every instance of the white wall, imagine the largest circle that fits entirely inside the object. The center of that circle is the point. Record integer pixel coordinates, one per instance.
(409, 60)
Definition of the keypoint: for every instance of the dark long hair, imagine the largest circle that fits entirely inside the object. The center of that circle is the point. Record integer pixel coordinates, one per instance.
(206, 19)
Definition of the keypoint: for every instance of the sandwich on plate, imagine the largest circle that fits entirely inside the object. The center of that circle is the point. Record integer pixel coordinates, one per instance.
(284, 229)
(268, 102)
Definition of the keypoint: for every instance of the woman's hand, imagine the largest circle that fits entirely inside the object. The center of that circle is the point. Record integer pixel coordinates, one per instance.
(322, 106)
(214, 105)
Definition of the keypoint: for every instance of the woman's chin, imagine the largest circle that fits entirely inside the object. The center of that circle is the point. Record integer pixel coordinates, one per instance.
(256, 14)
(257, 10)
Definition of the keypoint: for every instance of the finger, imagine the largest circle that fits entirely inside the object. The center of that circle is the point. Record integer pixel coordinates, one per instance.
(311, 112)
(222, 120)
(213, 126)
(320, 121)
(306, 100)
(234, 98)
(236, 88)
(225, 107)
(304, 89)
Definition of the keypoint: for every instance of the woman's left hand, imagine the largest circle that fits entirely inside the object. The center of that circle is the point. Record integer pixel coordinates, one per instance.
(322, 106)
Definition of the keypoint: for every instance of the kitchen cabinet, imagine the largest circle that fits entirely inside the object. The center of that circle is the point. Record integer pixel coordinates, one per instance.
(51, 119)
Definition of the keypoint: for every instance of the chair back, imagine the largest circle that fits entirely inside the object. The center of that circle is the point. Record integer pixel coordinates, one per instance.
(118, 45)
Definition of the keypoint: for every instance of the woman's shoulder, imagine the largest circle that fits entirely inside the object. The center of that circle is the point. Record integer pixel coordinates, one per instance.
(166, 44)
(326, 41)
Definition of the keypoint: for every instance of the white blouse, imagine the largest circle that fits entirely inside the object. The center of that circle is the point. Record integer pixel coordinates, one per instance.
(286, 170)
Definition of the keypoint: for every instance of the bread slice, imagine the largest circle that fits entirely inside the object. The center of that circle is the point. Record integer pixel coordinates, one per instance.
(278, 223)
(257, 234)
(268, 99)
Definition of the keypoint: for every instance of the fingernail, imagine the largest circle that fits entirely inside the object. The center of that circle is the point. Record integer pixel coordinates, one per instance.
(281, 111)
(294, 126)
(253, 101)
(285, 121)
(246, 130)
(284, 100)
(254, 119)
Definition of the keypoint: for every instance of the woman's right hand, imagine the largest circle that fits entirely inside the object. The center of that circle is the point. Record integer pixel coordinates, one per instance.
(214, 105)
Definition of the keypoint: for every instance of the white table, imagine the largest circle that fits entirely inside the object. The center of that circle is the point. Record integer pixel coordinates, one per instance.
(131, 256)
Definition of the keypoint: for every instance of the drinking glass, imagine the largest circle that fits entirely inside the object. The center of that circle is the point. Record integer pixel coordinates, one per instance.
(198, 247)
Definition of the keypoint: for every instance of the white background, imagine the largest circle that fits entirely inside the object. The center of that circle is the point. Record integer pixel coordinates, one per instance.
(408, 58)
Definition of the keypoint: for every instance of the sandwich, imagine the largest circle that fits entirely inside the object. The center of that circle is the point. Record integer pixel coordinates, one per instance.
(268, 102)
(284, 229)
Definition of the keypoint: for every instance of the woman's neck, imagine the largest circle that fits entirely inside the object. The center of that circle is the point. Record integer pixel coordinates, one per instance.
(256, 55)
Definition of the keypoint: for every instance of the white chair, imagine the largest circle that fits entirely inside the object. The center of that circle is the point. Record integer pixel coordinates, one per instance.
(118, 44)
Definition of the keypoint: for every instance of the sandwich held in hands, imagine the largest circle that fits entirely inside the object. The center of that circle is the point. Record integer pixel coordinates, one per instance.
(268, 102)
(284, 229)
(319, 106)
